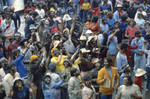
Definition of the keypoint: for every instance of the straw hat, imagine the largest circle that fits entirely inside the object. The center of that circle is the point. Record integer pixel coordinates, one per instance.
(83, 50)
(82, 38)
(70, 1)
(66, 30)
(56, 43)
(66, 17)
(91, 37)
(88, 32)
(119, 6)
(140, 72)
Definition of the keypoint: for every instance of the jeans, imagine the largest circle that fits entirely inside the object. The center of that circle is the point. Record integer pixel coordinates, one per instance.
(139, 61)
(9, 3)
(83, 15)
(106, 96)
(1, 3)
(148, 78)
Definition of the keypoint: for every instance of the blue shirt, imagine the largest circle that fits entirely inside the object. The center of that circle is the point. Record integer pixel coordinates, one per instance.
(48, 91)
(20, 66)
(140, 45)
(104, 7)
(109, 71)
(117, 16)
(111, 23)
(104, 28)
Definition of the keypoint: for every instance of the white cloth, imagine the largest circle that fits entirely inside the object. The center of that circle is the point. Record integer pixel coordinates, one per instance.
(87, 92)
(124, 92)
(40, 12)
(8, 82)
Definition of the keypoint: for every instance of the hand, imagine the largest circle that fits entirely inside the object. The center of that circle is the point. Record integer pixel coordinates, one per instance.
(140, 53)
(145, 42)
(29, 83)
(132, 95)
(78, 91)
(105, 77)
(117, 30)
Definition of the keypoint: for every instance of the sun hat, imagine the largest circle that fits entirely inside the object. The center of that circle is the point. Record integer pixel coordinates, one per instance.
(3, 59)
(56, 43)
(140, 72)
(83, 50)
(88, 32)
(82, 38)
(90, 38)
(66, 17)
(32, 26)
(33, 57)
(70, 1)
(57, 19)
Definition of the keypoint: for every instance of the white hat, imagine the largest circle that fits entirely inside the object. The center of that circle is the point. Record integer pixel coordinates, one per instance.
(83, 50)
(90, 38)
(57, 19)
(70, 1)
(88, 32)
(119, 6)
(82, 38)
(140, 72)
(66, 17)
(17, 78)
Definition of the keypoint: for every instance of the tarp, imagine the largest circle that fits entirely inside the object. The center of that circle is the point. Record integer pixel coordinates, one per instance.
(18, 4)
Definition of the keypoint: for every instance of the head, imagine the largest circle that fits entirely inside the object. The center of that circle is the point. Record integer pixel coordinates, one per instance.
(105, 34)
(74, 72)
(7, 16)
(107, 62)
(12, 68)
(147, 26)
(3, 62)
(56, 52)
(87, 81)
(12, 9)
(132, 23)
(110, 15)
(16, 53)
(67, 63)
(94, 19)
(127, 81)
(119, 7)
(34, 14)
(131, 4)
(98, 65)
(124, 18)
(105, 1)
(116, 24)
(47, 78)
(140, 15)
(82, 42)
(138, 34)
(124, 47)
(126, 69)
(104, 20)
(56, 36)
(52, 67)
(88, 17)
(18, 84)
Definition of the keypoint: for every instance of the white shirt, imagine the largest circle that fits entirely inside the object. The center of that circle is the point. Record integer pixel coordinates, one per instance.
(40, 12)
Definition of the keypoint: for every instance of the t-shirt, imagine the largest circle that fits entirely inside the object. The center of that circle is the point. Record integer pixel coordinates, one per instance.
(59, 66)
(131, 32)
(125, 92)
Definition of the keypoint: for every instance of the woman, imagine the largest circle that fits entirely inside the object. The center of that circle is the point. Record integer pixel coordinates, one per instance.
(128, 90)
(94, 26)
(21, 90)
(130, 31)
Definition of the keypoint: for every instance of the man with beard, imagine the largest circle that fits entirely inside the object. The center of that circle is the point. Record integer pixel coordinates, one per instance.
(106, 79)
(74, 89)
(139, 56)
(88, 91)
(121, 58)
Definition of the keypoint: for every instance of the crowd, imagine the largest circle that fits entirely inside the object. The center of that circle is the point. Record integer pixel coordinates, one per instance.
(75, 49)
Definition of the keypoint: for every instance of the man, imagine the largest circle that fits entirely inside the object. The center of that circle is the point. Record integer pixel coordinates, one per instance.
(118, 13)
(139, 56)
(131, 11)
(121, 58)
(74, 89)
(106, 78)
(88, 91)
(10, 77)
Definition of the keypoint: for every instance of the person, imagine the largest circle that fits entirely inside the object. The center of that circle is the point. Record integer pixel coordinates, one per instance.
(7, 81)
(147, 66)
(131, 11)
(110, 20)
(128, 90)
(138, 77)
(17, 59)
(74, 89)
(139, 56)
(118, 13)
(48, 87)
(39, 10)
(106, 78)
(21, 90)
(121, 59)
(125, 72)
(140, 20)
(88, 91)
(94, 26)
(104, 26)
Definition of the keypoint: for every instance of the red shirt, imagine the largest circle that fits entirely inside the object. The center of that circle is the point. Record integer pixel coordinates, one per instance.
(131, 32)
(95, 28)
(138, 81)
(128, 52)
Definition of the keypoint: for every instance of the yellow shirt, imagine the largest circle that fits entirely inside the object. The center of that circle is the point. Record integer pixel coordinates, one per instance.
(59, 66)
(86, 6)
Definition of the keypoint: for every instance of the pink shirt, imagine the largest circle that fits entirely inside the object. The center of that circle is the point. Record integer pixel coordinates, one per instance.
(131, 32)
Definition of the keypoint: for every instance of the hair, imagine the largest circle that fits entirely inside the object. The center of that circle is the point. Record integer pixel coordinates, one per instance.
(109, 14)
(94, 19)
(147, 23)
(124, 17)
(131, 20)
(129, 79)
(137, 32)
(116, 22)
(11, 65)
(123, 46)
(72, 71)
(109, 60)
(14, 53)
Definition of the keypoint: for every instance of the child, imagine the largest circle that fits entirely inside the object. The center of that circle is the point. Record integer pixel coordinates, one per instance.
(84, 9)
(138, 77)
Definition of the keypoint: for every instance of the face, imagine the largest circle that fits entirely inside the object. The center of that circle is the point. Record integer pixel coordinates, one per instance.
(125, 81)
(56, 53)
(32, 30)
(119, 9)
(82, 43)
(57, 37)
(4, 64)
(19, 84)
(132, 23)
(98, 66)
(47, 80)
(106, 64)
(13, 70)
(117, 25)
(65, 34)
(85, 55)
(66, 64)
(147, 28)
(88, 83)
